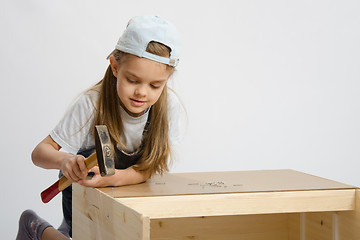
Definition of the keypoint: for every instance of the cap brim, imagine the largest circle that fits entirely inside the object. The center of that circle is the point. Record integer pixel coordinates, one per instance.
(108, 57)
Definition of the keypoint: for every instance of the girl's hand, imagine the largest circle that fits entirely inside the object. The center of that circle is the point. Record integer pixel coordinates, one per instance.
(121, 177)
(96, 180)
(74, 168)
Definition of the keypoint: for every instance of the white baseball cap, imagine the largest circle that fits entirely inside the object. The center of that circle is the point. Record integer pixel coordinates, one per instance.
(141, 30)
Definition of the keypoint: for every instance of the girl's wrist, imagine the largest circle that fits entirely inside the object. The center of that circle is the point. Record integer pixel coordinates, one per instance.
(116, 179)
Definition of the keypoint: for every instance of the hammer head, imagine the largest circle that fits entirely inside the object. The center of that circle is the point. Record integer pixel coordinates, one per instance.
(104, 151)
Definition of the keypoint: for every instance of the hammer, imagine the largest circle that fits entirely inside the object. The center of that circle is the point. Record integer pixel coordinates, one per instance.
(105, 160)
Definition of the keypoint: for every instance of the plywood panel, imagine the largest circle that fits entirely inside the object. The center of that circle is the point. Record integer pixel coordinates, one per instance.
(225, 182)
(294, 226)
(319, 226)
(249, 227)
(86, 229)
(241, 203)
(349, 222)
(97, 216)
(250, 205)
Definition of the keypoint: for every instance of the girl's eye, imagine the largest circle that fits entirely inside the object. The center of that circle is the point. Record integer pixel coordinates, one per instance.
(154, 86)
(130, 81)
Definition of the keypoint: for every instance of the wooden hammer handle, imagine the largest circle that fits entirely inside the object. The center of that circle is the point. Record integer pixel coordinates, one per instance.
(63, 182)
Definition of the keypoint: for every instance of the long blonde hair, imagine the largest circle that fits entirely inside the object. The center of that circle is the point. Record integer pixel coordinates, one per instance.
(155, 146)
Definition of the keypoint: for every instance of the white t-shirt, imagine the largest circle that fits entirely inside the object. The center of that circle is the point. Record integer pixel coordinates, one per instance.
(73, 132)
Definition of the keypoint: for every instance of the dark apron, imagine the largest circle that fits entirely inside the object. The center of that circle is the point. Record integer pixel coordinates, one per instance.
(122, 161)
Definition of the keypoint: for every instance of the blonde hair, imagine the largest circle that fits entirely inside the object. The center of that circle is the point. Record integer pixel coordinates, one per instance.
(155, 146)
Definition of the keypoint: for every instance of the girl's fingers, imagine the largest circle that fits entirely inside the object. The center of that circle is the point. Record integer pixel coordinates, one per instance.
(74, 168)
(82, 166)
(78, 174)
(92, 182)
(79, 168)
(73, 176)
(95, 170)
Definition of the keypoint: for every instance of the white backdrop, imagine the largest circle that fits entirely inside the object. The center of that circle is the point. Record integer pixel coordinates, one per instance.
(266, 84)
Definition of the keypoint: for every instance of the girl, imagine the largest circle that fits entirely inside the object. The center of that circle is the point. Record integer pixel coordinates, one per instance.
(142, 115)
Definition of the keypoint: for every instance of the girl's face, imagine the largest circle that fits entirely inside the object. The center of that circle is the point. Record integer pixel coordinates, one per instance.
(140, 82)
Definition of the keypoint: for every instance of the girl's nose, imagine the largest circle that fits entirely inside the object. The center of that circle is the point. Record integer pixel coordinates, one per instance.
(140, 91)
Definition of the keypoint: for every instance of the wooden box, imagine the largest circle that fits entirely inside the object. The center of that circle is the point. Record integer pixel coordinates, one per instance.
(251, 205)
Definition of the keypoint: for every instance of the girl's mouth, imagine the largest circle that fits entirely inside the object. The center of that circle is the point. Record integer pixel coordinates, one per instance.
(136, 103)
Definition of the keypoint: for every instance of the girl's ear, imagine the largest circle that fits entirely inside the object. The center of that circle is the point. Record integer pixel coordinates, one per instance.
(114, 65)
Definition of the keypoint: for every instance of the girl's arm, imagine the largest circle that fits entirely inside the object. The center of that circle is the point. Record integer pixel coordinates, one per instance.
(123, 177)
(47, 155)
